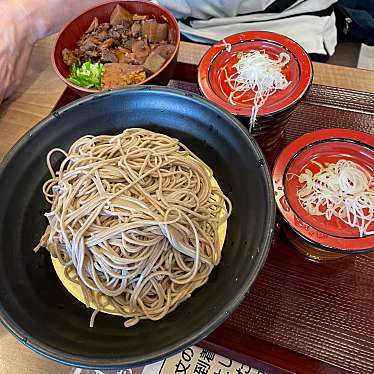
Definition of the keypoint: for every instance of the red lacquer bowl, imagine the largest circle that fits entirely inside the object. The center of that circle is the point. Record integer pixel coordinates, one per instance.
(324, 146)
(223, 55)
(272, 118)
(74, 29)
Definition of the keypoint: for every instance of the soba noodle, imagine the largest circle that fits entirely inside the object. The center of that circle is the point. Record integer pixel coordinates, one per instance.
(134, 221)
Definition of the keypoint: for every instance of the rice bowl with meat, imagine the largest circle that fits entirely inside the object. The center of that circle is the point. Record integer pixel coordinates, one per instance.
(126, 50)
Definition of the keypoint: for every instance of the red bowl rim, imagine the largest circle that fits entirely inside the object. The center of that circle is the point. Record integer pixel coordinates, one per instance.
(297, 51)
(68, 23)
(307, 232)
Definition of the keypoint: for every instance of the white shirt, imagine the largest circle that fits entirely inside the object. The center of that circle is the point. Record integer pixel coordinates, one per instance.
(311, 23)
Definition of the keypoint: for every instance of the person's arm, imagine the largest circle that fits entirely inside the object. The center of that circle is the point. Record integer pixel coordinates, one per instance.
(23, 22)
(47, 17)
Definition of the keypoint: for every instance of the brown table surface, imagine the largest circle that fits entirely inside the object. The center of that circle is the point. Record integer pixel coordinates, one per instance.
(35, 99)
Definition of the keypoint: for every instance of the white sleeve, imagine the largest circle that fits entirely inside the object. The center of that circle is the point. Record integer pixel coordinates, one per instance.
(205, 9)
(311, 23)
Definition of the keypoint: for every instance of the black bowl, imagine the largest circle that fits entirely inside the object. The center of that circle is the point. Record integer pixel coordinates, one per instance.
(34, 305)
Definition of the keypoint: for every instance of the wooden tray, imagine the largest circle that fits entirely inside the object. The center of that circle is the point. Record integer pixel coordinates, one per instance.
(302, 316)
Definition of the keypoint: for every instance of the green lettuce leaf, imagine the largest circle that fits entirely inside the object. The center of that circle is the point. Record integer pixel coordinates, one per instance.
(88, 75)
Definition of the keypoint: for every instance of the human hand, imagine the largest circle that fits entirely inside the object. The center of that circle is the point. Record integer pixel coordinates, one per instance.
(22, 23)
(17, 38)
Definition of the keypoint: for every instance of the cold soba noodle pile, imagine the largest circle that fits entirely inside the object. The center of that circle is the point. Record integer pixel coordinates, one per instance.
(135, 222)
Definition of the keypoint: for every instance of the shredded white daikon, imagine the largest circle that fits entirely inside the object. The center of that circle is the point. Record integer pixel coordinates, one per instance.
(258, 72)
(344, 190)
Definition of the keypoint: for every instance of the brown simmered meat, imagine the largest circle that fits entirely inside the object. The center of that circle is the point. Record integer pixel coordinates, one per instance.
(164, 50)
(107, 43)
(140, 17)
(88, 44)
(119, 75)
(68, 57)
(128, 39)
(172, 35)
(153, 63)
(125, 55)
(154, 31)
(136, 29)
(108, 56)
(120, 16)
(140, 48)
(122, 53)
(93, 25)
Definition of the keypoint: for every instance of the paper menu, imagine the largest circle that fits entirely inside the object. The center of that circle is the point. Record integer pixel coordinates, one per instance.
(193, 360)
